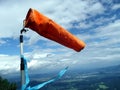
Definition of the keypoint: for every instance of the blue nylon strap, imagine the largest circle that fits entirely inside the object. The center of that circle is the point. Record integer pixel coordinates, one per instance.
(61, 73)
(37, 87)
(26, 74)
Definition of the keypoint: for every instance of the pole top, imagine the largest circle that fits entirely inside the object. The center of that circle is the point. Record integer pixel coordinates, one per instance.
(23, 30)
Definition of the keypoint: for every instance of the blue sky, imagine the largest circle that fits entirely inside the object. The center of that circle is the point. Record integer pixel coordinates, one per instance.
(96, 22)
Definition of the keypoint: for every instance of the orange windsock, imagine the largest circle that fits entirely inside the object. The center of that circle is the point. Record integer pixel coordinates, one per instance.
(51, 30)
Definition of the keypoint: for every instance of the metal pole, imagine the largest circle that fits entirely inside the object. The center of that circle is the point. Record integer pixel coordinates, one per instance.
(22, 64)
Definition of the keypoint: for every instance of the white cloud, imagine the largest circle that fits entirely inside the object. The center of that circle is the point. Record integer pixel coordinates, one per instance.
(116, 6)
(9, 64)
(109, 31)
(95, 8)
(2, 42)
(101, 21)
(102, 46)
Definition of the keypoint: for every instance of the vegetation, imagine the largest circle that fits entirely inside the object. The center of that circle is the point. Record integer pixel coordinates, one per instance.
(102, 86)
(6, 85)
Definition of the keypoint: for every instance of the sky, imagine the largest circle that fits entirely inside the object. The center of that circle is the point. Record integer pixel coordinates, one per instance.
(96, 22)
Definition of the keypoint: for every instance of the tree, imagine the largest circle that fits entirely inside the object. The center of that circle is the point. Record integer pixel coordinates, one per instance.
(6, 85)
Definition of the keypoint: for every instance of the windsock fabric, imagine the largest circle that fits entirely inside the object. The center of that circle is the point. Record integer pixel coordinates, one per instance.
(51, 30)
(37, 87)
